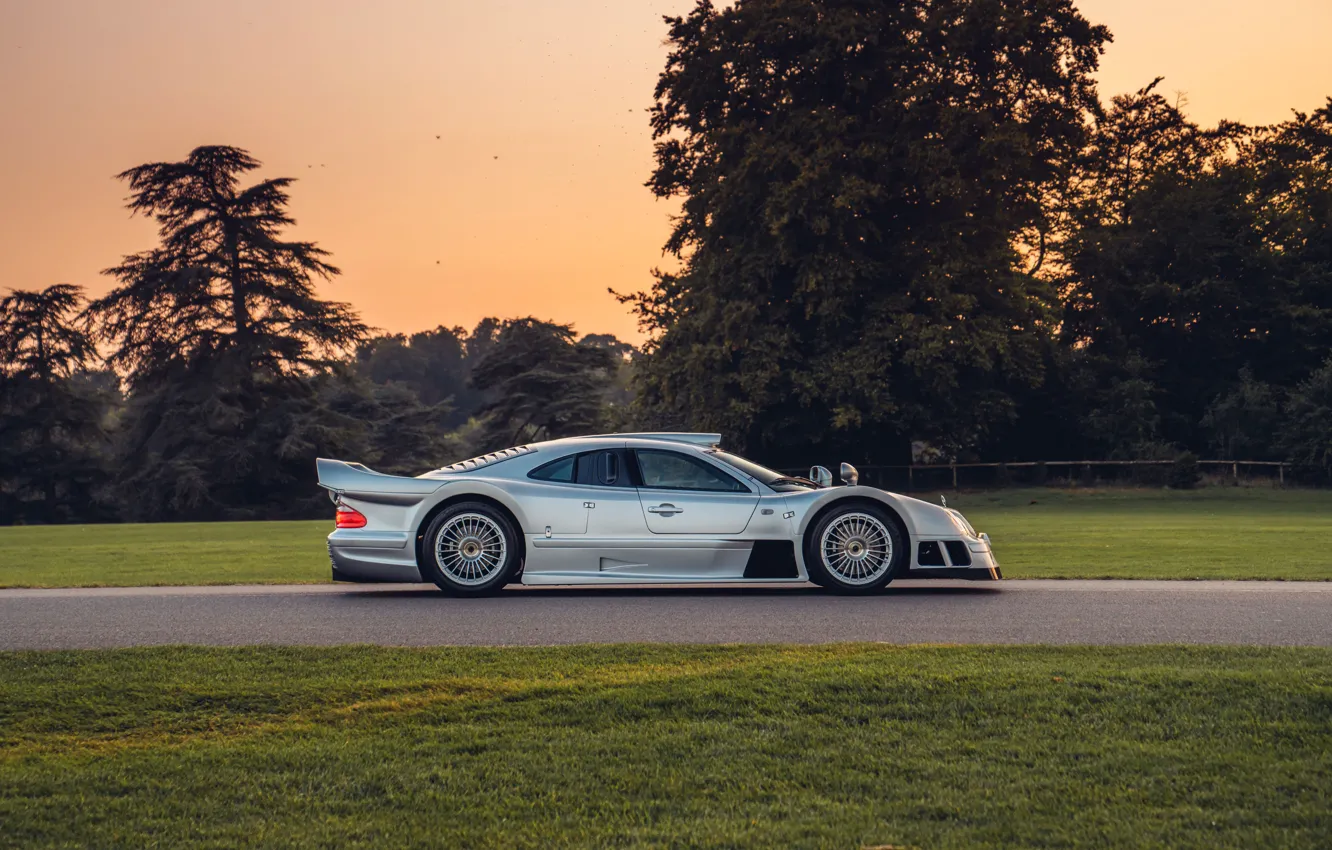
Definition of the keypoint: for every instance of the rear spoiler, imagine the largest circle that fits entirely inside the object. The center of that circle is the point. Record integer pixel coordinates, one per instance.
(357, 481)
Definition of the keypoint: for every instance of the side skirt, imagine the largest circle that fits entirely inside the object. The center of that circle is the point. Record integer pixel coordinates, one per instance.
(970, 574)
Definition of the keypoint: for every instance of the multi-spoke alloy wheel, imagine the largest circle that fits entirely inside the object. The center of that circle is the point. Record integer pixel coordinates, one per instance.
(470, 549)
(855, 549)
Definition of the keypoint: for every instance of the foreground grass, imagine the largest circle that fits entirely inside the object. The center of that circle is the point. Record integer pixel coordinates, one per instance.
(839, 746)
(1211, 533)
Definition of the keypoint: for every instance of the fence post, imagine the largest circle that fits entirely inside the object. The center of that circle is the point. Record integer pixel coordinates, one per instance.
(1281, 474)
(954, 466)
(1234, 470)
(911, 477)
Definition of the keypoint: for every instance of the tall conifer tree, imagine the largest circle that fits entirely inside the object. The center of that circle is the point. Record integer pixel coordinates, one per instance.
(225, 344)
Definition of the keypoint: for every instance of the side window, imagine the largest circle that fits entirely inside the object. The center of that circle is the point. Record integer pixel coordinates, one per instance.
(675, 471)
(603, 469)
(557, 470)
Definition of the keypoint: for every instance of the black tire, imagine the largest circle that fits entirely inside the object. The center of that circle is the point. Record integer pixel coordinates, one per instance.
(472, 526)
(861, 551)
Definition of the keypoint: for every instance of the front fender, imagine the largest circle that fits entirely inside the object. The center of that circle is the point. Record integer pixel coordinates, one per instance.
(919, 518)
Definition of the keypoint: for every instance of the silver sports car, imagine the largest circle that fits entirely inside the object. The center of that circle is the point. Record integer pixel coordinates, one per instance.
(641, 509)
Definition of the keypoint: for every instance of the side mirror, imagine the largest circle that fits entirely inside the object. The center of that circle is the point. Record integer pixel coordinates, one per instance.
(820, 476)
(849, 474)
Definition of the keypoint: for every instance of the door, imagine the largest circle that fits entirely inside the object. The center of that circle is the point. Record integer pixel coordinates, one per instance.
(613, 530)
(555, 503)
(614, 517)
(686, 494)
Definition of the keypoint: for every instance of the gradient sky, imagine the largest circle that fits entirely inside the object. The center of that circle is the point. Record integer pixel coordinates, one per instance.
(531, 199)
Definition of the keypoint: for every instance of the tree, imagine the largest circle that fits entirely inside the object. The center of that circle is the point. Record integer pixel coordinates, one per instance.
(1307, 433)
(619, 398)
(858, 182)
(1167, 288)
(226, 347)
(51, 430)
(540, 383)
(1292, 165)
(1242, 423)
(1199, 260)
(223, 280)
(433, 364)
(401, 435)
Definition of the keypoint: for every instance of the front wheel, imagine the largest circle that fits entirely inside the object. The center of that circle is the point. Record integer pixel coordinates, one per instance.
(470, 549)
(858, 548)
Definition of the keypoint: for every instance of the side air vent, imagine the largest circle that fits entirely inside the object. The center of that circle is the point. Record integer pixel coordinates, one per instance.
(958, 553)
(772, 559)
(930, 555)
(487, 460)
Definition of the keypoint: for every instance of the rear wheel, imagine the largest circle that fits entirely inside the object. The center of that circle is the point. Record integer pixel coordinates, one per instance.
(856, 548)
(471, 549)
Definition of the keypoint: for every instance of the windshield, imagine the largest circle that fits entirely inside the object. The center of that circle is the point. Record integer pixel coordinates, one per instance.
(770, 477)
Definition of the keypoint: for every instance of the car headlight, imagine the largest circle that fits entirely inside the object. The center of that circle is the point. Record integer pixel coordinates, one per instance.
(962, 524)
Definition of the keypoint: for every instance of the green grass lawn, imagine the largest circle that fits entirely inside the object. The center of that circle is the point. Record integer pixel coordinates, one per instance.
(164, 553)
(843, 746)
(1210, 533)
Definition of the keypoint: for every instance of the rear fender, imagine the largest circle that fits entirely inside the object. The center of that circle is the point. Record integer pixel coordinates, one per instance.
(403, 504)
(461, 488)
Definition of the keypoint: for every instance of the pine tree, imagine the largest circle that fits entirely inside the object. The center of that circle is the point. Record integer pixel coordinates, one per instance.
(223, 280)
(51, 408)
(227, 349)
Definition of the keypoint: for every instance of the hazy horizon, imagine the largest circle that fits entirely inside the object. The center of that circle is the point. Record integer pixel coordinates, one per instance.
(460, 161)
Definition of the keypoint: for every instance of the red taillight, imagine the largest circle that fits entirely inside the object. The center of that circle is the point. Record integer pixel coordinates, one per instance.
(349, 518)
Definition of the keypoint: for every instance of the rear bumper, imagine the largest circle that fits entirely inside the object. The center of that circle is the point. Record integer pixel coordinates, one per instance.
(369, 556)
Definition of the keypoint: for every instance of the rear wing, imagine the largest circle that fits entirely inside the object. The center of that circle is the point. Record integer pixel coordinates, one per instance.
(357, 481)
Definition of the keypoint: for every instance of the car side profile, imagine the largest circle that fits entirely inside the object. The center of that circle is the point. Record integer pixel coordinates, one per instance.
(666, 508)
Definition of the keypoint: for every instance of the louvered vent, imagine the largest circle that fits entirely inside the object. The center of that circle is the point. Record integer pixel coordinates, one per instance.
(487, 460)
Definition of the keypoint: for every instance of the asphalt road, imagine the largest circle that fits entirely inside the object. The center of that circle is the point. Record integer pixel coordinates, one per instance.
(1089, 612)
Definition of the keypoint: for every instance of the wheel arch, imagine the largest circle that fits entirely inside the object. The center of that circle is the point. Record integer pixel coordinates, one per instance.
(814, 516)
(822, 509)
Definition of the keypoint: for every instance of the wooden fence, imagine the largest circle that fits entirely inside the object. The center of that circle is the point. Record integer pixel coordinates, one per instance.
(1017, 473)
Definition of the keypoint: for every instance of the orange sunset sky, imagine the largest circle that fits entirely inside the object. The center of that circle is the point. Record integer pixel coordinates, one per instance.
(459, 159)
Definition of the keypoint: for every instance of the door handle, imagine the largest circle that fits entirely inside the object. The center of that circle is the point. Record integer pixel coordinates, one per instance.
(665, 510)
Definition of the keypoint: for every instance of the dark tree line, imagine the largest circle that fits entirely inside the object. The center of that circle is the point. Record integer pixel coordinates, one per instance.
(221, 374)
(915, 222)
(903, 223)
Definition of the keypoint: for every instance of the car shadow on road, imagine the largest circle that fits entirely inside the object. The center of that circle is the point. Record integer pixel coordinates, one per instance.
(514, 593)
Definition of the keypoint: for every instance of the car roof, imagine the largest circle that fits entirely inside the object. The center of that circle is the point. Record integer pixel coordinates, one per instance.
(591, 442)
(692, 438)
(536, 454)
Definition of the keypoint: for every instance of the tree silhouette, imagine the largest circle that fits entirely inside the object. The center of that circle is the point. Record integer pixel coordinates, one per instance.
(51, 429)
(223, 280)
(39, 335)
(856, 180)
(229, 353)
(541, 383)
(433, 364)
